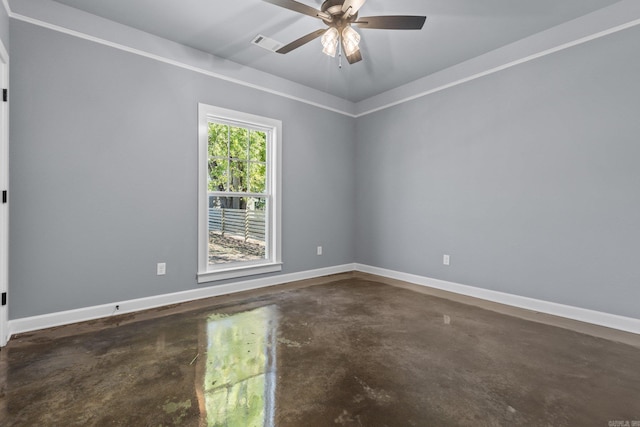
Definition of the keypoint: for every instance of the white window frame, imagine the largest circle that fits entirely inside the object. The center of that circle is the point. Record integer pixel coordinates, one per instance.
(4, 185)
(273, 262)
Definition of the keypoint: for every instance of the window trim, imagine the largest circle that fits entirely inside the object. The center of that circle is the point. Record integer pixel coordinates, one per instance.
(207, 273)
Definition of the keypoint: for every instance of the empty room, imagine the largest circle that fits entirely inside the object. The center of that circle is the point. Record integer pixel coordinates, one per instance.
(320, 213)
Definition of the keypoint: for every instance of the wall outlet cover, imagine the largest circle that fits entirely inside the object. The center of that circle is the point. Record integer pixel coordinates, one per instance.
(161, 269)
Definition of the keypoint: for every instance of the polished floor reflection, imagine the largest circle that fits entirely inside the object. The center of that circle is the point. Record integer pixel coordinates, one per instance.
(239, 372)
(341, 351)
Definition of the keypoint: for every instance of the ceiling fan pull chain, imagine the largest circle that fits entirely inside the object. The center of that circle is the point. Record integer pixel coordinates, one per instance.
(340, 55)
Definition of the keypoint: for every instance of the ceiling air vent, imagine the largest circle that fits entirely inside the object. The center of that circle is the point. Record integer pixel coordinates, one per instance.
(266, 43)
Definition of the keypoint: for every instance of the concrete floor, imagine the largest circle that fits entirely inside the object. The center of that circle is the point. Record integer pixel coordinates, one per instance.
(339, 351)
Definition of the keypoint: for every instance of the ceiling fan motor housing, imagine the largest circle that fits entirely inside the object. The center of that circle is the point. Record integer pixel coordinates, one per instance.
(334, 8)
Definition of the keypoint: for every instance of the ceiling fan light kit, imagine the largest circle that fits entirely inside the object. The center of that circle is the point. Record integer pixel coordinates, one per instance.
(330, 41)
(350, 41)
(340, 15)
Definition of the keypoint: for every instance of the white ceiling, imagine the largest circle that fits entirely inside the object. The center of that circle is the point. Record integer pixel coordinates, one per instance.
(455, 31)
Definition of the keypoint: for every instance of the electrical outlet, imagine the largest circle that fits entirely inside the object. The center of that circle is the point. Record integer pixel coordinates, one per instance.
(319, 250)
(446, 260)
(161, 269)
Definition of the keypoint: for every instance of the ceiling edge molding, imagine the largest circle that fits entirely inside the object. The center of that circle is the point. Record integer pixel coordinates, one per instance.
(7, 9)
(612, 19)
(76, 23)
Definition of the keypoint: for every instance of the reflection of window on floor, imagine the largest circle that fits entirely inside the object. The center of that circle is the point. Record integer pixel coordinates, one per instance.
(239, 380)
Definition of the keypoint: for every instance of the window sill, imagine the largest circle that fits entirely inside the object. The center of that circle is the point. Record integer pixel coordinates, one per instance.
(240, 271)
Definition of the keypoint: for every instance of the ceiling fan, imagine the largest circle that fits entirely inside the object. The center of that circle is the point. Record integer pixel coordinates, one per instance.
(340, 16)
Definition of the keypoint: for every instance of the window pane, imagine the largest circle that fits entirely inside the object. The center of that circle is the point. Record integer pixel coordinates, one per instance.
(218, 137)
(238, 181)
(229, 146)
(236, 229)
(218, 174)
(257, 177)
(258, 146)
(238, 141)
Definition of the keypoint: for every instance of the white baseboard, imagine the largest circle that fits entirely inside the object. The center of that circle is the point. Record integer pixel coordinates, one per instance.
(622, 323)
(28, 324)
(44, 321)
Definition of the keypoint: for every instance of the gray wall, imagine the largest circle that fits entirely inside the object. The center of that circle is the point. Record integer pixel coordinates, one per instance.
(528, 178)
(104, 174)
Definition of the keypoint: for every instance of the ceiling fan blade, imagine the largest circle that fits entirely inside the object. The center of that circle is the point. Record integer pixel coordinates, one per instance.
(301, 41)
(391, 22)
(351, 7)
(300, 8)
